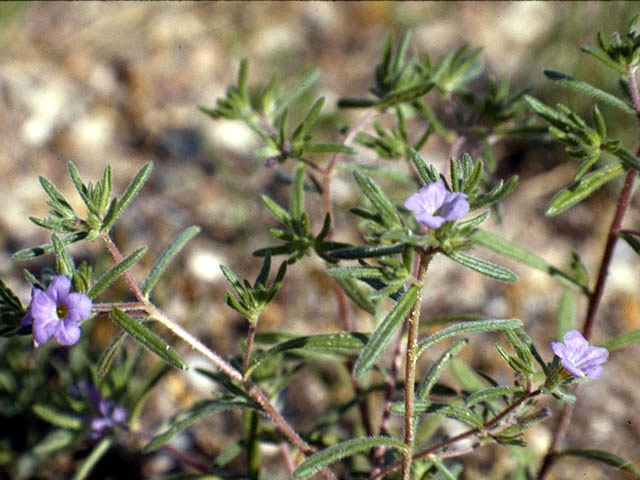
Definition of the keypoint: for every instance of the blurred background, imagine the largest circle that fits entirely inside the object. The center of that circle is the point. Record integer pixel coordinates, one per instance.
(119, 83)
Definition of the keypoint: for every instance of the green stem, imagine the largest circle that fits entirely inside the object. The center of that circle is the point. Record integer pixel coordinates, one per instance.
(413, 324)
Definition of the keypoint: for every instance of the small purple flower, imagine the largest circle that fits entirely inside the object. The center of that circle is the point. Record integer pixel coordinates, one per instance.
(109, 415)
(578, 357)
(433, 205)
(57, 312)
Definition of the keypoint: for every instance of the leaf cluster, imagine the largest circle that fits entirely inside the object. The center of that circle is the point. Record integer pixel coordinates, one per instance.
(270, 120)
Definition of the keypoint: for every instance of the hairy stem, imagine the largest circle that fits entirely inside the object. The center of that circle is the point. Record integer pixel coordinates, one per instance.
(214, 358)
(413, 322)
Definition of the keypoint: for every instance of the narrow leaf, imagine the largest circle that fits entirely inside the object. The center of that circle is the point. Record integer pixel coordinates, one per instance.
(187, 418)
(623, 340)
(305, 84)
(566, 317)
(132, 190)
(508, 249)
(491, 393)
(378, 198)
(328, 343)
(488, 325)
(355, 293)
(342, 450)
(436, 369)
(483, 266)
(166, 257)
(64, 262)
(277, 211)
(384, 331)
(569, 196)
(94, 457)
(148, 339)
(352, 253)
(115, 272)
(602, 456)
(296, 205)
(58, 419)
(590, 90)
(604, 58)
(106, 359)
(633, 241)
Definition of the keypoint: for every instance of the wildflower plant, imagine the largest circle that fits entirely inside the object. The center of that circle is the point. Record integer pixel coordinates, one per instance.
(407, 213)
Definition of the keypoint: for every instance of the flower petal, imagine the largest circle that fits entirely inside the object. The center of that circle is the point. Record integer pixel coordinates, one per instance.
(78, 306)
(455, 206)
(429, 220)
(67, 332)
(59, 287)
(44, 317)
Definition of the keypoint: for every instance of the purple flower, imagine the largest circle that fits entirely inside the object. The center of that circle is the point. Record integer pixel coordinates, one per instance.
(57, 312)
(108, 416)
(433, 205)
(578, 357)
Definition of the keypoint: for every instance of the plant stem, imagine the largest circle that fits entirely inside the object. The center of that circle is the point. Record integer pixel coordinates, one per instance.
(432, 451)
(251, 334)
(214, 358)
(413, 322)
(596, 296)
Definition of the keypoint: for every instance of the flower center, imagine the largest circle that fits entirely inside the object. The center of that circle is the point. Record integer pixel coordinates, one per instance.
(62, 310)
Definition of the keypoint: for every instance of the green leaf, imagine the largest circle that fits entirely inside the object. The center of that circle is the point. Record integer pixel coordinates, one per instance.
(483, 266)
(188, 417)
(106, 359)
(604, 58)
(569, 196)
(566, 317)
(466, 376)
(329, 148)
(58, 419)
(426, 172)
(56, 440)
(280, 213)
(601, 456)
(115, 272)
(436, 369)
(622, 340)
(326, 343)
(590, 90)
(487, 325)
(342, 450)
(508, 249)
(356, 102)
(64, 262)
(147, 338)
(631, 240)
(442, 469)
(407, 95)
(298, 135)
(58, 202)
(378, 198)
(132, 190)
(305, 84)
(384, 331)
(491, 393)
(94, 457)
(166, 257)
(355, 293)
(352, 253)
(296, 205)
